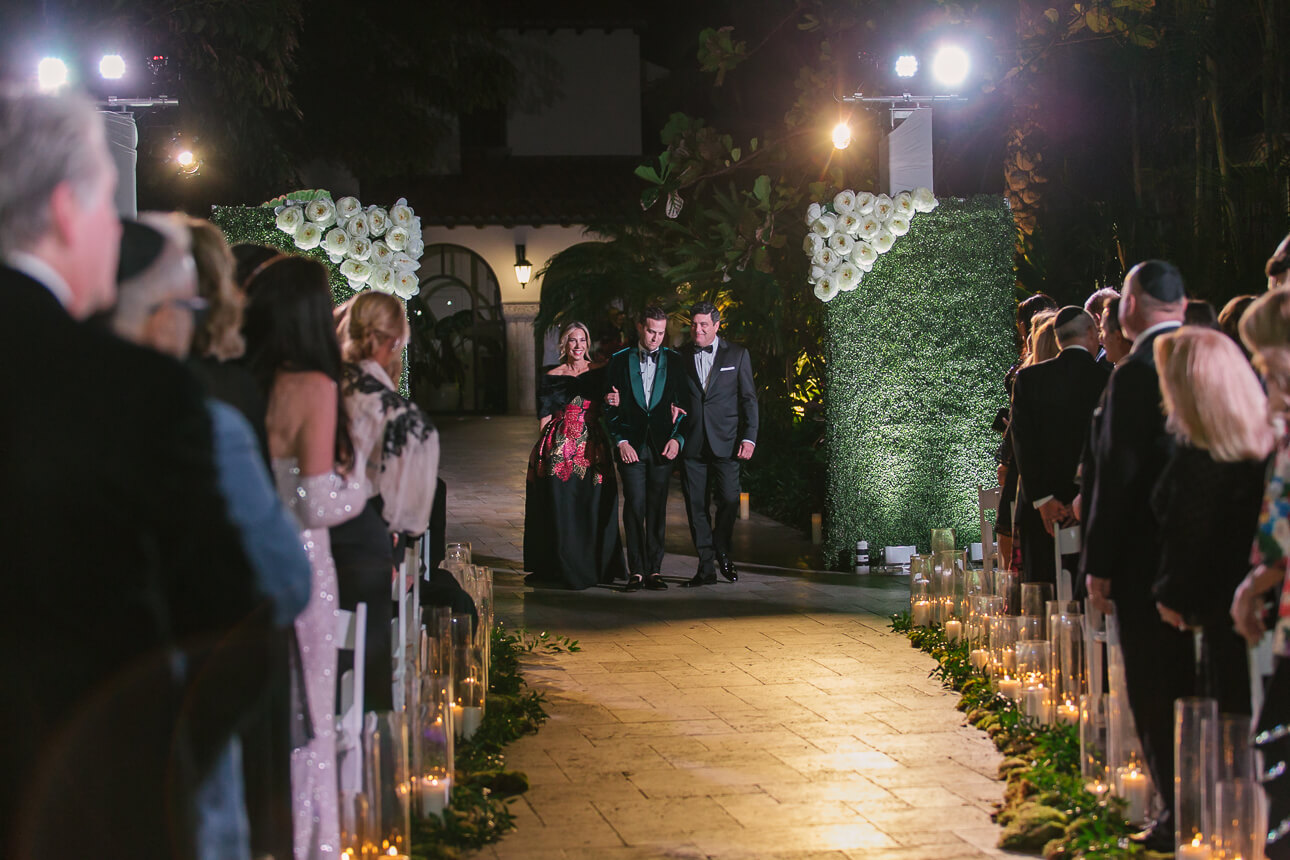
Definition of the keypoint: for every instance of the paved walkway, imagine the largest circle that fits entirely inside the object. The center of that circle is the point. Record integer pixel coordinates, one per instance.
(775, 717)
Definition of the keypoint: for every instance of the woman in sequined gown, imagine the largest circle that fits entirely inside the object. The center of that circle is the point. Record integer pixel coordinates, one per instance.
(571, 501)
(293, 351)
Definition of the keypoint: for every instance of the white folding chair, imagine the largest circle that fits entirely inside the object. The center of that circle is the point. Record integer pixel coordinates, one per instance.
(351, 635)
(988, 500)
(404, 633)
(1065, 542)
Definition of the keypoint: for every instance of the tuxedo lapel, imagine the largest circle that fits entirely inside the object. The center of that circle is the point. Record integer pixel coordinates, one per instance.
(688, 355)
(634, 371)
(660, 374)
(719, 357)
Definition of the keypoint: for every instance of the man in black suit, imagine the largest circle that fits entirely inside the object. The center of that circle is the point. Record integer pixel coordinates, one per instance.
(645, 378)
(720, 430)
(1051, 405)
(122, 571)
(1121, 536)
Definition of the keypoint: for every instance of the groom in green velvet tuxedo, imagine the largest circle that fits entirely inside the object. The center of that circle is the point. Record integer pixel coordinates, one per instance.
(646, 380)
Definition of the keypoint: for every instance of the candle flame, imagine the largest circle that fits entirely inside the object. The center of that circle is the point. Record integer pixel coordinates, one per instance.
(1195, 841)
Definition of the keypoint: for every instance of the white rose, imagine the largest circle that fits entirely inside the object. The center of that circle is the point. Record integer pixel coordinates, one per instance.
(360, 249)
(416, 246)
(826, 259)
(348, 207)
(356, 271)
(869, 227)
(864, 256)
(848, 277)
(401, 214)
(815, 274)
(812, 243)
(397, 238)
(826, 289)
(883, 241)
(290, 219)
(322, 212)
(308, 237)
(824, 225)
(924, 200)
(381, 253)
(407, 285)
(904, 203)
(864, 203)
(403, 263)
(382, 278)
(336, 242)
(357, 226)
(844, 201)
(898, 225)
(883, 207)
(841, 243)
(813, 213)
(849, 224)
(378, 220)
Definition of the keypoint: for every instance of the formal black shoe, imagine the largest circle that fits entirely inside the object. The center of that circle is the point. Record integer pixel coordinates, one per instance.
(700, 578)
(1158, 836)
(635, 582)
(654, 582)
(727, 568)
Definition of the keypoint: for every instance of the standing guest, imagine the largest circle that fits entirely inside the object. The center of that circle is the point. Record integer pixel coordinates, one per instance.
(1052, 404)
(1208, 498)
(1200, 313)
(1043, 338)
(1278, 266)
(400, 445)
(292, 349)
(1114, 343)
(647, 381)
(1115, 349)
(112, 516)
(1229, 319)
(1122, 534)
(720, 431)
(1096, 305)
(571, 504)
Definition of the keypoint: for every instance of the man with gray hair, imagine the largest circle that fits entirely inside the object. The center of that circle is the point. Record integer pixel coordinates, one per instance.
(122, 565)
(1052, 403)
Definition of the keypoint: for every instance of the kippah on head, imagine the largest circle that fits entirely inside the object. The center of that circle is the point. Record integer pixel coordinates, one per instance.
(141, 245)
(1067, 314)
(1162, 281)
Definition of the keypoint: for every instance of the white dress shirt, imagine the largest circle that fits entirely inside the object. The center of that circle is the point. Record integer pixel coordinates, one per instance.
(648, 367)
(703, 361)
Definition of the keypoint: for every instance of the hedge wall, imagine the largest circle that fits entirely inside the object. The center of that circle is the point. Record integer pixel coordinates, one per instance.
(916, 360)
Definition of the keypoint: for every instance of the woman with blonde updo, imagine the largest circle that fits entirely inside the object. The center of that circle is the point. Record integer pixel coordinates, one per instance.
(400, 446)
(571, 504)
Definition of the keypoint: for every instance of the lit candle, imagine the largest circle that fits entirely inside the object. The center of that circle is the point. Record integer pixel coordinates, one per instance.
(1194, 851)
(1068, 713)
(1136, 792)
(1010, 687)
(922, 613)
(1036, 703)
(1009, 660)
(817, 529)
(980, 658)
(743, 506)
(954, 630)
(434, 794)
(471, 717)
(457, 717)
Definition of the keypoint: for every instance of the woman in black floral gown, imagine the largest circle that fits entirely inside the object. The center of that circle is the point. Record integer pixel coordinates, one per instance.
(571, 506)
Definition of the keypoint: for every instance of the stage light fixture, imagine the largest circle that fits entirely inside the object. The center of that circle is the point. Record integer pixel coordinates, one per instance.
(841, 135)
(51, 74)
(951, 65)
(906, 66)
(112, 67)
(185, 158)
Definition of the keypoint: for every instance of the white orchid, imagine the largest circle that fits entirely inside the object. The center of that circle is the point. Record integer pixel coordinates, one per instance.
(382, 255)
(321, 211)
(824, 225)
(848, 277)
(355, 271)
(864, 203)
(813, 213)
(360, 249)
(397, 238)
(407, 285)
(290, 219)
(904, 204)
(883, 208)
(382, 278)
(826, 289)
(347, 207)
(883, 241)
(357, 226)
(401, 214)
(308, 237)
(924, 200)
(864, 255)
(336, 242)
(898, 225)
(841, 243)
(844, 202)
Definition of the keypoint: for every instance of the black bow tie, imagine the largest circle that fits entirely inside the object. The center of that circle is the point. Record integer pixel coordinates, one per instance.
(707, 349)
(650, 356)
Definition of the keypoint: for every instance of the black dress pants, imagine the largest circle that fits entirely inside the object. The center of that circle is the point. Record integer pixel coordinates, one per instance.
(712, 535)
(645, 485)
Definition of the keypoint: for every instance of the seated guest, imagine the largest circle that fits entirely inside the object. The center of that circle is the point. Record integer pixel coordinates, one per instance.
(1208, 497)
(1201, 313)
(1052, 403)
(1229, 319)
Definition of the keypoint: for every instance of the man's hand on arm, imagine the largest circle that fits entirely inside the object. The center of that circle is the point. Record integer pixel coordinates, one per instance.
(627, 452)
(612, 399)
(671, 449)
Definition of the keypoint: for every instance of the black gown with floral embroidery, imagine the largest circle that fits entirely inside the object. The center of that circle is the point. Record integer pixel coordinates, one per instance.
(571, 505)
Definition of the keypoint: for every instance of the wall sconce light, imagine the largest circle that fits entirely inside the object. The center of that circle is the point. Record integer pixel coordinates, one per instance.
(523, 268)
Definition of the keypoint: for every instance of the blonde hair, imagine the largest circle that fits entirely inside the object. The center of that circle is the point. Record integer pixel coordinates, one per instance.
(1043, 337)
(220, 335)
(568, 329)
(364, 320)
(1212, 398)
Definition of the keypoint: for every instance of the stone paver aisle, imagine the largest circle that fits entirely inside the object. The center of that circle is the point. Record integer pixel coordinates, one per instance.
(775, 717)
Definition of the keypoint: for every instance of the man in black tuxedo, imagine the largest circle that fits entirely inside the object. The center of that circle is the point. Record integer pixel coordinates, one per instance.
(122, 571)
(720, 430)
(1121, 534)
(645, 378)
(1052, 403)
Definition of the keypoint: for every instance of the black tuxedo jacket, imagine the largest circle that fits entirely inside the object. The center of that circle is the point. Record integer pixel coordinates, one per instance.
(1052, 403)
(117, 556)
(639, 423)
(1121, 535)
(724, 413)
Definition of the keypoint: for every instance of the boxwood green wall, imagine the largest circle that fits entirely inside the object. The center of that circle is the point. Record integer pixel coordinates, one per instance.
(916, 360)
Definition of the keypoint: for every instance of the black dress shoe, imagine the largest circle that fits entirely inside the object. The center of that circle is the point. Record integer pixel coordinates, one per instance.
(654, 582)
(700, 578)
(727, 568)
(635, 582)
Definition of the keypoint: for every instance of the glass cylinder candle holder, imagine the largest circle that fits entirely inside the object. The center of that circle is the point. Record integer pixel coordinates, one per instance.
(1030, 627)
(942, 539)
(1066, 639)
(1239, 802)
(1034, 599)
(1124, 750)
(1007, 584)
(388, 784)
(458, 551)
(353, 813)
(433, 753)
(920, 603)
(1195, 769)
(467, 676)
(1003, 640)
(1133, 785)
(1037, 703)
(1032, 661)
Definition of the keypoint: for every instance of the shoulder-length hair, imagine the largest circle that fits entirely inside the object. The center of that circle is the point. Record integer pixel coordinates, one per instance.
(220, 335)
(288, 327)
(1212, 398)
(565, 331)
(1043, 337)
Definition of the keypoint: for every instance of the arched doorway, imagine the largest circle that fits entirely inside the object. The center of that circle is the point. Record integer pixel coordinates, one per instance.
(458, 349)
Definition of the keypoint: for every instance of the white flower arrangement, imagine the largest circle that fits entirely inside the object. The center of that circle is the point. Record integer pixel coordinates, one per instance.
(374, 247)
(847, 236)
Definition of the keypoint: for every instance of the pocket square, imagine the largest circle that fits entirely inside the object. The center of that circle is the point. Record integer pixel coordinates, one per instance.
(727, 368)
